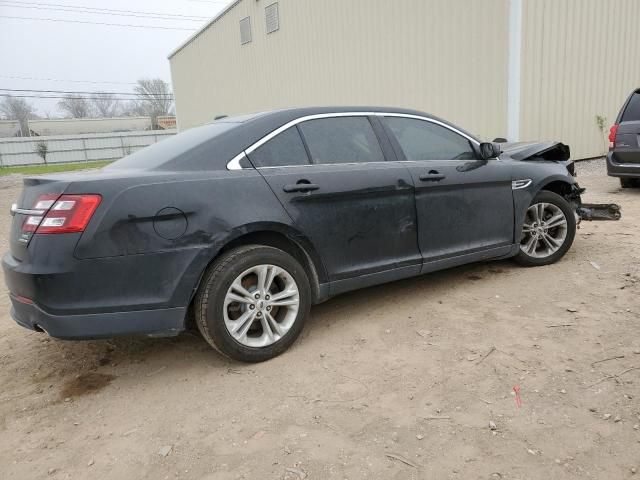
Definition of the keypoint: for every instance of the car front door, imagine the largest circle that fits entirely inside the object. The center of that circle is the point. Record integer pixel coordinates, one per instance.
(332, 176)
(464, 205)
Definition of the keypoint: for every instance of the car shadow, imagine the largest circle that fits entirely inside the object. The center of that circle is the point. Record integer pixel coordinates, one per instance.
(84, 364)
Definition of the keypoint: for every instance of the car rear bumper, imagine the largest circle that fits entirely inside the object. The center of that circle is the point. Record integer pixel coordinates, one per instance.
(623, 170)
(98, 298)
(161, 323)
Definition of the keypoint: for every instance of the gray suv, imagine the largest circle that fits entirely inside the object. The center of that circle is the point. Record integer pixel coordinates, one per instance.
(623, 160)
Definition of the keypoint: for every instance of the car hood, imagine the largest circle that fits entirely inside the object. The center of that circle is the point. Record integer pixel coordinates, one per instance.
(532, 151)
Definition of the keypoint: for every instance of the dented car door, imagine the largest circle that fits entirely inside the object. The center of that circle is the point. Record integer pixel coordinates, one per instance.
(464, 205)
(333, 178)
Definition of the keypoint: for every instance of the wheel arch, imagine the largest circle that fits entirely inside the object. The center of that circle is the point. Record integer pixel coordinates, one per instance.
(276, 235)
(559, 186)
(555, 183)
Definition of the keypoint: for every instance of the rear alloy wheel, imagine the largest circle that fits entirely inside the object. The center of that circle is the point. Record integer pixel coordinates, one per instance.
(548, 230)
(253, 303)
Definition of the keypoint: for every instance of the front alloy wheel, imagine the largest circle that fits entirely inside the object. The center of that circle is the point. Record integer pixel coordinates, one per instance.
(544, 230)
(548, 230)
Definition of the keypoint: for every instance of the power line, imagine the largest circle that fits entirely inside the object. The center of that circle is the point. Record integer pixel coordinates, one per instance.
(78, 98)
(13, 77)
(104, 10)
(78, 92)
(106, 13)
(98, 23)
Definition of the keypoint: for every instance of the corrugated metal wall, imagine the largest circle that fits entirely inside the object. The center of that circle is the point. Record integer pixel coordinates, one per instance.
(447, 57)
(580, 58)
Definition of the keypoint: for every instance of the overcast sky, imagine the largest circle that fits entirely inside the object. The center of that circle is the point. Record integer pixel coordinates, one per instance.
(86, 57)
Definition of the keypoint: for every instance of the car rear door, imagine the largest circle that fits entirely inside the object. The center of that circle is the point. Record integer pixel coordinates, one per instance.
(332, 176)
(464, 205)
(627, 141)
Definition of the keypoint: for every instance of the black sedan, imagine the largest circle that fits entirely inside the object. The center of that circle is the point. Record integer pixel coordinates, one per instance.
(239, 226)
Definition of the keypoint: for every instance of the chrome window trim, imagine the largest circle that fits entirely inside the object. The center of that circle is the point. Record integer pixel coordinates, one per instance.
(234, 164)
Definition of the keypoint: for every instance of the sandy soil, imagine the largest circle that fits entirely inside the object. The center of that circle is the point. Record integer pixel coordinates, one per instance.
(399, 381)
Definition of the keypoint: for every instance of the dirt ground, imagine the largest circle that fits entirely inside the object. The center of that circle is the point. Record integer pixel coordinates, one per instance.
(399, 381)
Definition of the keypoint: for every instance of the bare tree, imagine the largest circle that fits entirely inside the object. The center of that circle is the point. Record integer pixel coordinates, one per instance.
(74, 106)
(18, 109)
(154, 97)
(134, 108)
(105, 105)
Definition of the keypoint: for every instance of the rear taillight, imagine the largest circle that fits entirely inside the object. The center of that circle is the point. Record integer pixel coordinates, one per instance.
(612, 135)
(64, 214)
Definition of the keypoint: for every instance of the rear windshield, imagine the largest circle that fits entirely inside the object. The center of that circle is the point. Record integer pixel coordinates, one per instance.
(159, 153)
(632, 112)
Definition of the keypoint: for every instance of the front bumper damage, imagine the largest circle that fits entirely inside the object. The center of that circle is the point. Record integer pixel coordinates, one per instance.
(592, 211)
(599, 211)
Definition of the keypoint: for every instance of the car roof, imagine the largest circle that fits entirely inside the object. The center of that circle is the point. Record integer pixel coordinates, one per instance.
(298, 112)
(276, 118)
(213, 145)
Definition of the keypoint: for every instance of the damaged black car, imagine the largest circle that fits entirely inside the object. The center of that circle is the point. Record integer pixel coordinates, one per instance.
(239, 226)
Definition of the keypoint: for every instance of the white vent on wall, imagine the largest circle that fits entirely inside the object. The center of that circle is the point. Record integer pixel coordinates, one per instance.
(272, 17)
(245, 30)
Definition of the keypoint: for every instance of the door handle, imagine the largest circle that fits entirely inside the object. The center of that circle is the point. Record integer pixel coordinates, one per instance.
(301, 186)
(432, 176)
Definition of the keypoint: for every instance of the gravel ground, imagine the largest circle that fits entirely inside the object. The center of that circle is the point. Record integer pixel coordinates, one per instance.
(409, 380)
(595, 167)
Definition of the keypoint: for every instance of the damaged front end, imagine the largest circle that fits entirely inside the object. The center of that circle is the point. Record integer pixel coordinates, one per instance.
(592, 211)
(559, 153)
(599, 211)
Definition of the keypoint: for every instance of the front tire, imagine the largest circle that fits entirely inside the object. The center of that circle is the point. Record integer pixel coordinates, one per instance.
(548, 231)
(628, 182)
(253, 303)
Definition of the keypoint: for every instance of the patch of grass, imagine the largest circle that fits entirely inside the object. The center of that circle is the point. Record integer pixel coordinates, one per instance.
(54, 168)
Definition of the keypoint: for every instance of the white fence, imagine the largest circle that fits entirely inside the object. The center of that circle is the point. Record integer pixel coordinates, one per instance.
(76, 148)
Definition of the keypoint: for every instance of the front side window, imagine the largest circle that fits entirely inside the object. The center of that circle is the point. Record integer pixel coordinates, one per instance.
(341, 140)
(285, 149)
(423, 140)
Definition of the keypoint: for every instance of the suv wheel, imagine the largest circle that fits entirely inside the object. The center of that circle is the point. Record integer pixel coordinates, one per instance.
(548, 230)
(628, 182)
(253, 303)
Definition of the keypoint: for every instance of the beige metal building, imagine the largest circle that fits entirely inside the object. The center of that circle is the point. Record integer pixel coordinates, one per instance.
(521, 69)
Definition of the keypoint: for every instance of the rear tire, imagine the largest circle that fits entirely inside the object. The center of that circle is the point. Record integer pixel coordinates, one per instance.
(252, 303)
(548, 231)
(628, 182)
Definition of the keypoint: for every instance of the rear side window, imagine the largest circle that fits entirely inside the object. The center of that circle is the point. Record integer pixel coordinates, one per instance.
(284, 149)
(188, 149)
(422, 140)
(341, 140)
(632, 112)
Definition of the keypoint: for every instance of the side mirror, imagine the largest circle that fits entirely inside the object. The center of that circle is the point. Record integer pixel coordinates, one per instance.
(489, 150)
